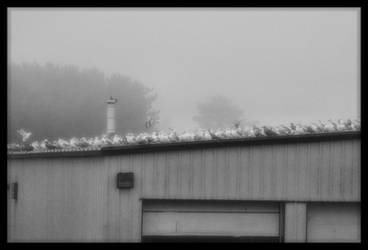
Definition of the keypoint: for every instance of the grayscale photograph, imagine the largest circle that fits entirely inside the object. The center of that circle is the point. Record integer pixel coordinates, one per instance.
(183, 124)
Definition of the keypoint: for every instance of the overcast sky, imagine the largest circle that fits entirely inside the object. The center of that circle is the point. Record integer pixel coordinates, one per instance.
(279, 65)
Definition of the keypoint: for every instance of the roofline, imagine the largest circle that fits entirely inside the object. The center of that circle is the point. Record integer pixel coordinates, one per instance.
(144, 148)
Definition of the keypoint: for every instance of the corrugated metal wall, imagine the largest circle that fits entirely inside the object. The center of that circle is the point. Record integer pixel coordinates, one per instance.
(77, 199)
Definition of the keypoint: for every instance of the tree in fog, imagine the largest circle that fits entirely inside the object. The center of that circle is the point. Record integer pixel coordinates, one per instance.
(55, 101)
(218, 112)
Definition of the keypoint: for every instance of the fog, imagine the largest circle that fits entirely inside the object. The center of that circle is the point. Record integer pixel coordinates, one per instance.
(278, 65)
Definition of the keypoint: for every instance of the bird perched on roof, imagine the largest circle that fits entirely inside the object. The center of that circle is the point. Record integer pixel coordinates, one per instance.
(186, 136)
(97, 142)
(36, 146)
(308, 129)
(204, 135)
(282, 130)
(341, 125)
(46, 145)
(27, 147)
(248, 132)
(142, 138)
(348, 124)
(231, 133)
(73, 142)
(82, 143)
(269, 131)
(62, 143)
(153, 137)
(258, 131)
(130, 138)
(25, 135)
(317, 127)
(56, 144)
(116, 139)
(106, 140)
(14, 147)
(321, 127)
(330, 126)
(213, 135)
(163, 137)
(356, 124)
(173, 137)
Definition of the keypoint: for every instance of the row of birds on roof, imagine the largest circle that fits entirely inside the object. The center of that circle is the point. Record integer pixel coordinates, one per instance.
(198, 135)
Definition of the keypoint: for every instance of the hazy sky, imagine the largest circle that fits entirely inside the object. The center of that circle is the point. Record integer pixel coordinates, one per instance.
(279, 65)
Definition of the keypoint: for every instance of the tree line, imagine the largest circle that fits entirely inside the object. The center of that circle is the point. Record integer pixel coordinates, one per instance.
(54, 101)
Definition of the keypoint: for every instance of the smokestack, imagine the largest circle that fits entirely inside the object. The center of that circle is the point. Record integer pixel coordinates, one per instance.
(111, 115)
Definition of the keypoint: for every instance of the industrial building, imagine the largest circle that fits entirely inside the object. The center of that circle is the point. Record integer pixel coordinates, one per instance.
(300, 188)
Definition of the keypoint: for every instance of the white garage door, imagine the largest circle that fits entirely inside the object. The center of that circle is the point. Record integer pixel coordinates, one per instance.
(333, 222)
(210, 219)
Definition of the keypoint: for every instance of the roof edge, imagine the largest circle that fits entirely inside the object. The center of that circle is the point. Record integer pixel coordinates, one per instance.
(144, 148)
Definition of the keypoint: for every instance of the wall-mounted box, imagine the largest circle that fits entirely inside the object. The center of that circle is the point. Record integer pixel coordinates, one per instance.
(125, 180)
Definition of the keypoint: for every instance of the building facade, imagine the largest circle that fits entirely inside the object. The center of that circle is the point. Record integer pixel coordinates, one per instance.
(291, 189)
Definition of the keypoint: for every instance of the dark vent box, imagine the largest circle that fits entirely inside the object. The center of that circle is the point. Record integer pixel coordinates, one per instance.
(125, 180)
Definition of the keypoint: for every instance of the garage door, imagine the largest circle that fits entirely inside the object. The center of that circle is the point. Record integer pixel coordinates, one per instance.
(333, 222)
(197, 220)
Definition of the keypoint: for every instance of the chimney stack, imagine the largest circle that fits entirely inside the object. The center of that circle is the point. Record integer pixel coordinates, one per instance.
(111, 115)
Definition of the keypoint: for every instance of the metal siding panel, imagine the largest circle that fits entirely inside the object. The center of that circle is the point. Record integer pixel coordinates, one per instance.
(245, 185)
(295, 222)
(225, 171)
(215, 175)
(188, 178)
(171, 174)
(209, 173)
(238, 172)
(357, 170)
(324, 172)
(123, 225)
(345, 184)
(234, 224)
(221, 172)
(267, 171)
(301, 167)
(203, 174)
(160, 168)
(315, 166)
(336, 159)
(148, 182)
(256, 175)
(261, 171)
(341, 157)
(137, 208)
(334, 223)
(332, 170)
(281, 181)
(232, 177)
(351, 178)
(196, 174)
(273, 172)
(292, 173)
(179, 177)
(166, 174)
(286, 184)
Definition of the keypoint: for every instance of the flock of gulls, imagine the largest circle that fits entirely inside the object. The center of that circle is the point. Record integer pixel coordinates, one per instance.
(171, 136)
